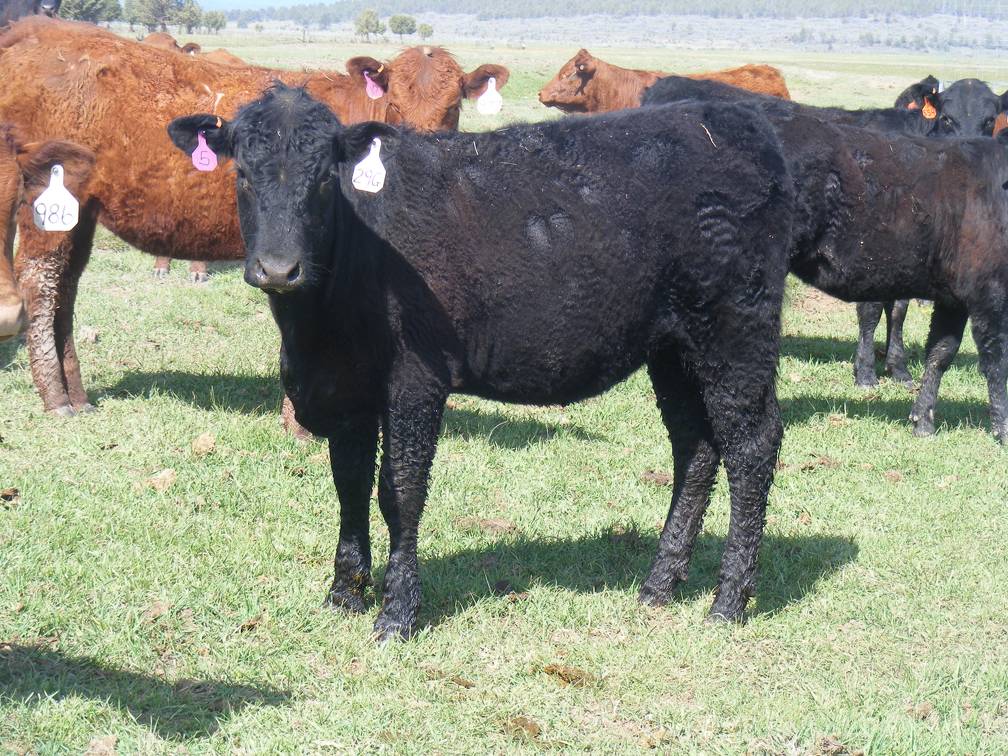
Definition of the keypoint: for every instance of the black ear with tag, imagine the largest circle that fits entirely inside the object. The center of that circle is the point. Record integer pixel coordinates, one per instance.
(353, 141)
(912, 98)
(184, 133)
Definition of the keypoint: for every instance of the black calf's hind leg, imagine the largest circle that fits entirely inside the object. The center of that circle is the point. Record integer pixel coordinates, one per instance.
(410, 431)
(868, 315)
(352, 450)
(696, 463)
(947, 325)
(991, 336)
(748, 430)
(895, 361)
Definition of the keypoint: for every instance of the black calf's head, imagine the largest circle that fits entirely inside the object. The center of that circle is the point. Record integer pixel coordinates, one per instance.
(966, 108)
(284, 147)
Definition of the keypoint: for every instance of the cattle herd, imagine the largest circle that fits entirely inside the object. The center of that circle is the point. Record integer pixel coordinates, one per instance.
(540, 263)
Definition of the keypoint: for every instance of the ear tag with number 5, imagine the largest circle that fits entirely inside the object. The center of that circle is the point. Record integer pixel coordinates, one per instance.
(203, 158)
(56, 209)
(369, 173)
(490, 102)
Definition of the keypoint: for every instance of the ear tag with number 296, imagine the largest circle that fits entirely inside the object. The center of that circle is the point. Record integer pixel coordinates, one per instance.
(56, 209)
(203, 158)
(369, 173)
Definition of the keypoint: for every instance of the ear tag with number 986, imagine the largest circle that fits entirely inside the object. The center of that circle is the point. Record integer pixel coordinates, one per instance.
(369, 173)
(56, 209)
(203, 158)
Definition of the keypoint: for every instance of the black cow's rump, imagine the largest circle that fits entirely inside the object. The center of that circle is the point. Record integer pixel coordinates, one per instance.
(541, 263)
(880, 215)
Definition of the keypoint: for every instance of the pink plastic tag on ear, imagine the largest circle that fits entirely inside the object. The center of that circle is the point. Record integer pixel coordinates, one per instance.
(203, 158)
(373, 89)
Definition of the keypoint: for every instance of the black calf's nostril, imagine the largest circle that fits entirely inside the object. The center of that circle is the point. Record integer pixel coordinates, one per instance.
(294, 274)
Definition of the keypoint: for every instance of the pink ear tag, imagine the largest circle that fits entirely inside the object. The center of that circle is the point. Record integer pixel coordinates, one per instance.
(373, 89)
(203, 158)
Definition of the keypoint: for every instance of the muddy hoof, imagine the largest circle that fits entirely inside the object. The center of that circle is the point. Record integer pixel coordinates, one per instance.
(160, 273)
(87, 407)
(65, 411)
(198, 278)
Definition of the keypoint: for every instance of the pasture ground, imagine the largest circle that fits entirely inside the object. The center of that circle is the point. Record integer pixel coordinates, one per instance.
(161, 597)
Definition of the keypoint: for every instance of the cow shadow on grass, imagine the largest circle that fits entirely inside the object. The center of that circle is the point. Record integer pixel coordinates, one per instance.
(827, 350)
(790, 567)
(186, 709)
(953, 414)
(258, 395)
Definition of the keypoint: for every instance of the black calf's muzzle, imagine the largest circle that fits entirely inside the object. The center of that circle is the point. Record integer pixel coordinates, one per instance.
(276, 275)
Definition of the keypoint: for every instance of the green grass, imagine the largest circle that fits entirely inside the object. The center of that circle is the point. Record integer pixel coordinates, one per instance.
(191, 619)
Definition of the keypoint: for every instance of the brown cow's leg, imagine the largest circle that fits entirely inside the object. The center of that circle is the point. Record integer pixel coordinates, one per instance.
(162, 266)
(83, 236)
(198, 272)
(290, 423)
(12, 313)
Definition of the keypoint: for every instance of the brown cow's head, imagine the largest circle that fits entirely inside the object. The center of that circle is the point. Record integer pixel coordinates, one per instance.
(370, 74)
(24, 174)
(426, 87)
(568, 90)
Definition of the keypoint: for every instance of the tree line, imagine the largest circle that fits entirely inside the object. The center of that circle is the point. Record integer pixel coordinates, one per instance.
(153, 15)
(348, 10)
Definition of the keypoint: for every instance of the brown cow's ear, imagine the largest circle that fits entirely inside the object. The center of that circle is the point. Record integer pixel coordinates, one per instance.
(191, 48)
(377, 71)
(217, 132)
(36, 160)
(584, 63)
(475, 83)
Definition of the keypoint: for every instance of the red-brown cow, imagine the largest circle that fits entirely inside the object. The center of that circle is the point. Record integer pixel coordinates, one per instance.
(24, 173)
(114, 96)
(586, 84)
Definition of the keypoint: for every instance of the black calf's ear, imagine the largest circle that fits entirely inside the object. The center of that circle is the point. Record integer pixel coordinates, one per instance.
(184, 133)
(912, 98)
(353, 142)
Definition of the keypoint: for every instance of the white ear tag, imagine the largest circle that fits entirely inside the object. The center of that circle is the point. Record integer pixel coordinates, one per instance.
(490, 102)
(369, 173)
(56, 209)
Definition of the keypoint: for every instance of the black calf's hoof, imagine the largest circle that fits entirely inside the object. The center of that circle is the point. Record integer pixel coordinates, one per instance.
(653, 594)
(387, 630)
(923, 429)
(726, 610)
(902, 377)
(864, 382)
(346, 601)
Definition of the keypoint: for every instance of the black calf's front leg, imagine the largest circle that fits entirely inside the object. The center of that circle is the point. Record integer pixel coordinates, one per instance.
(944, 338)
(352, 450)
(696, 462)
(868, 315)
(895, 360)
(410, 429)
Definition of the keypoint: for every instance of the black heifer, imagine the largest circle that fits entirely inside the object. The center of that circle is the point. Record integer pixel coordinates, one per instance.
(539, 264)
(883, 216)
(967, 108)
(12, 10)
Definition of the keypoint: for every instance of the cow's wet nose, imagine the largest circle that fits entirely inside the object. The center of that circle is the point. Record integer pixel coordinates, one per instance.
(275, 275)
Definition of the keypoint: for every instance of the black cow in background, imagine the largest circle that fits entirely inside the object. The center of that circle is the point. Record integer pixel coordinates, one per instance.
(12, 10)
(540, 264)
(881, 216)
(967, 108)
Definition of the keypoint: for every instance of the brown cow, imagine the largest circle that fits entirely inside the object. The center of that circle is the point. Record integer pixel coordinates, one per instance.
(24, 173)
(115, 96)
(586, 84)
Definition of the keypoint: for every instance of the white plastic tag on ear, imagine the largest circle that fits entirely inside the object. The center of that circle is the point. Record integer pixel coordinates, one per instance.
(369, 173)
(56, 209)
(490, 102)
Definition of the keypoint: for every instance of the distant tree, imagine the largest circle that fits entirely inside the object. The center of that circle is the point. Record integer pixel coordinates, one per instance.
(189, 16)
(402, 25)
(214, 21)
(426, 31)
(157, 14)
(368, 23)
(93, 11)
(131, 13)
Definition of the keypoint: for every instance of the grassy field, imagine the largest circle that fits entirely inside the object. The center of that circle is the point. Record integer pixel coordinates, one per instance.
(163, 596)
